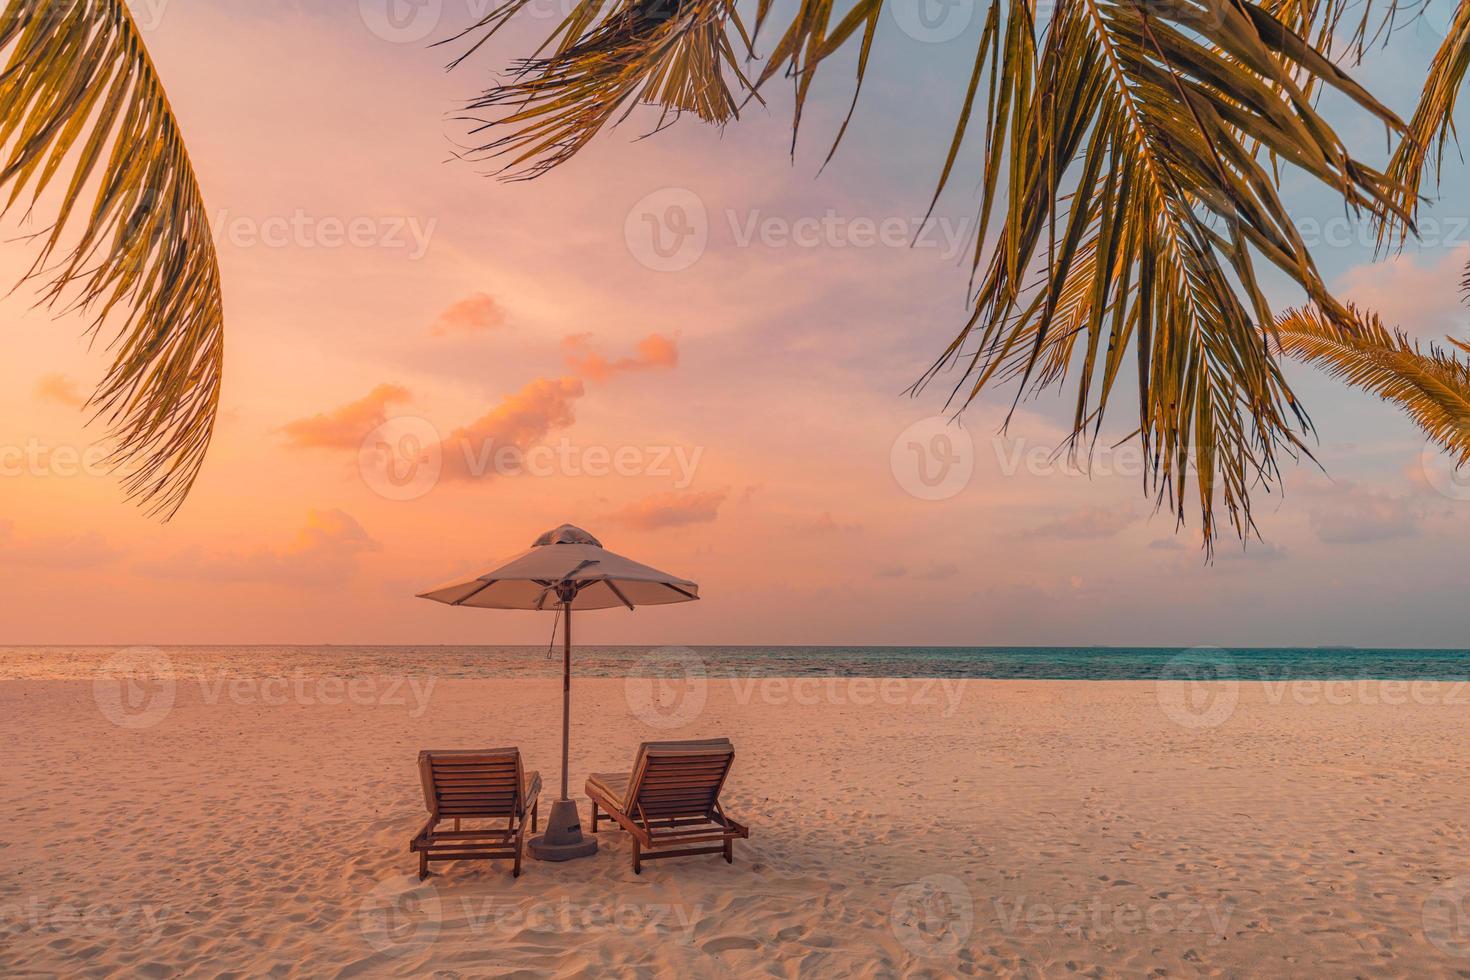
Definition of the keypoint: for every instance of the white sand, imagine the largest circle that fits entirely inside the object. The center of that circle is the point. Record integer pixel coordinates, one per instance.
(1025, 828)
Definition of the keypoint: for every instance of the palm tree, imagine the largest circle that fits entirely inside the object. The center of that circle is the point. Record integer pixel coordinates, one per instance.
(82, 108)
(1138, 196)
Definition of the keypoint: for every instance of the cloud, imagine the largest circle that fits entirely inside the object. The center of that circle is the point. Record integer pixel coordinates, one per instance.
(672, 509)
(474, 314)
(654, 351)
(936, 571)
(1345, 513)
(345, 427)
(325, 550)
(1087, 523)
(477, 449)
(1166, 544)
(520, 421)
(69, 551)
(60, 389)
(1421, 297)
(1416, 473)
(825, 524)
(1254, 549)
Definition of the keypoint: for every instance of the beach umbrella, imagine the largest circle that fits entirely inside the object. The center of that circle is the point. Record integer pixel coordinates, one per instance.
(565, 570)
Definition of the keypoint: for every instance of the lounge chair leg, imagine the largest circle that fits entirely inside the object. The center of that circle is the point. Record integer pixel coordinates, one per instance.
(729, 851)
(594, 816)
(637, 864)
(423, 865)
(535, 815)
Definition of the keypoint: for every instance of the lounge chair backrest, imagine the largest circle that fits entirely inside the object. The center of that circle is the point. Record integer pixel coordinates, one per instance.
(679, 779)
(472, 784)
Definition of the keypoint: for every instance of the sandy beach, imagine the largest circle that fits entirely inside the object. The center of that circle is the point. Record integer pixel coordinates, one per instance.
(253, 827)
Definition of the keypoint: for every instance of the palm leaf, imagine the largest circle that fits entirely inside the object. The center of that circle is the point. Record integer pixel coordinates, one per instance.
(1433, 120)
(1431, 385)
(80, 95)
(672, 53)
(1123, 166)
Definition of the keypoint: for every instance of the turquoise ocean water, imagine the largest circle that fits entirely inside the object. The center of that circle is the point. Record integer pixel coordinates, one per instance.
(1069, 663)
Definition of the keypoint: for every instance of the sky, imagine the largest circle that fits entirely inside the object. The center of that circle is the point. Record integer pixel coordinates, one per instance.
(697, 347)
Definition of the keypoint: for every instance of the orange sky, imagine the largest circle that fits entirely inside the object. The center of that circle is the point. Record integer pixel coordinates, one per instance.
(730, 417)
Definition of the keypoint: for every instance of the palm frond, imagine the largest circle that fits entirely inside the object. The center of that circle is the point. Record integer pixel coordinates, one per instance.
(1134, 191)
(1125, 162)
(1431, 385)
(672, 53)
(1431, 125)
(80, 95)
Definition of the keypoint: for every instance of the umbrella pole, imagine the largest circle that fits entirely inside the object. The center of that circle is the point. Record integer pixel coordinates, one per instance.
(566, 692)
(563, 839)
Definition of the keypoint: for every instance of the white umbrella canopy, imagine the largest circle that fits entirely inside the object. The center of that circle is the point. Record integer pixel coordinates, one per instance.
(537, 579)
(566, 569)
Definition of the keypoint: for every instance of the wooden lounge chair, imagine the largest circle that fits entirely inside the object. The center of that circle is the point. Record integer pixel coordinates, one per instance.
(670, 802)
(473, 785)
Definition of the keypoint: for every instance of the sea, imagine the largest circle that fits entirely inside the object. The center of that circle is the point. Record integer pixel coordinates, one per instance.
(1021, 663)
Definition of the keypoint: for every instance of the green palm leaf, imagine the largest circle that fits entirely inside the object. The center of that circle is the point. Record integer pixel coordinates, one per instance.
(1431, 385)
(1122, 165)
(80, 98)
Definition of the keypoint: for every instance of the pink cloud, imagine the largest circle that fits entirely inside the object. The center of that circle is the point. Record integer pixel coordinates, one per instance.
(345, 427)
(60, 389)
(938, 571)
(1346, 513)
(474, 314)
(517, 423)
(654, 351)
(826, 524)
(325, 550)
(671, 509)
(1420, 293)
(72, 551)
(1087, 523)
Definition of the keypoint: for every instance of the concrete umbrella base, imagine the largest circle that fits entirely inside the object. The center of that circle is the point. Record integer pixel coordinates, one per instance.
(563, 839)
